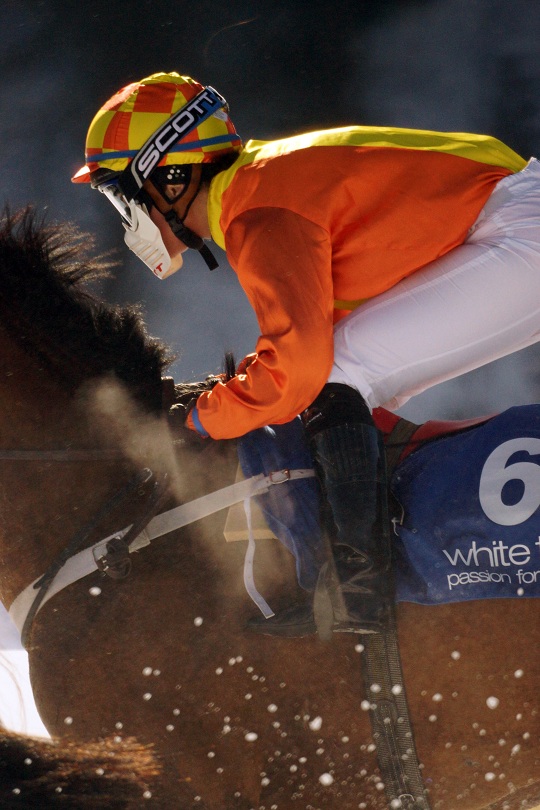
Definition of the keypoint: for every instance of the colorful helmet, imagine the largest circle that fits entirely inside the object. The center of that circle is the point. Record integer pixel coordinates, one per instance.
(125, 123)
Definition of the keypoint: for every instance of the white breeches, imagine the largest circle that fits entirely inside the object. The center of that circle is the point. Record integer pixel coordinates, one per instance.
(479, 302)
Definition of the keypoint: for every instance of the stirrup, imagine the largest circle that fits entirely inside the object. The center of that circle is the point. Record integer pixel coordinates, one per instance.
(295, 621)
(332, 614)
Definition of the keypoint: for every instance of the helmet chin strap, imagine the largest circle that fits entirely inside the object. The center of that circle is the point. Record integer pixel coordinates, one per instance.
(176, 218)
(190, 238)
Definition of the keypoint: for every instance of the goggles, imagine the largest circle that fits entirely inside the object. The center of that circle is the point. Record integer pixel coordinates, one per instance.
(112, 191)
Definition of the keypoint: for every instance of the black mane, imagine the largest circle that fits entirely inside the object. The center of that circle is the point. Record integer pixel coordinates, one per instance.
(46, 307)
(107, 774)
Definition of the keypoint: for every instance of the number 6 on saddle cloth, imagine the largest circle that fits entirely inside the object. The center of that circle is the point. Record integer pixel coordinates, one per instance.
(471, 504)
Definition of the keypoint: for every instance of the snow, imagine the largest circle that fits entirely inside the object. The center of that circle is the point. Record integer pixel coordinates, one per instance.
(444, 65)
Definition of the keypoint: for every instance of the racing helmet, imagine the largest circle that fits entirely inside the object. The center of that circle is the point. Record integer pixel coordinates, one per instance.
(165, 126)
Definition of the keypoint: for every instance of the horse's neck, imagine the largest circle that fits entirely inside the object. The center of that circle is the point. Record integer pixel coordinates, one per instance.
(44, 505)
(34, 411)
(43, 502)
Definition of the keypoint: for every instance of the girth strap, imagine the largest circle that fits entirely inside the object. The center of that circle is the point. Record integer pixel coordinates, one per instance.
(390, 721)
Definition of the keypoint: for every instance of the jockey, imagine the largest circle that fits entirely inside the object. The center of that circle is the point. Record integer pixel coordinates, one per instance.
(379, 262)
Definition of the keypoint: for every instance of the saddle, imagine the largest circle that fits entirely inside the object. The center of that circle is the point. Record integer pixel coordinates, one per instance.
(468, 520)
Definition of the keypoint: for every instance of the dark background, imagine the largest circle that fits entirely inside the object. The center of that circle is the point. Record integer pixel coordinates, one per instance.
(284, 66)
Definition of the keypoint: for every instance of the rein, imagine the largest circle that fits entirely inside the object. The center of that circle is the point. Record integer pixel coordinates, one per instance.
(72, 565)
(43, 584)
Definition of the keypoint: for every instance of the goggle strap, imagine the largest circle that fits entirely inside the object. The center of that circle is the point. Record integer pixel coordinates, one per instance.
(127, 184)
(145, 198)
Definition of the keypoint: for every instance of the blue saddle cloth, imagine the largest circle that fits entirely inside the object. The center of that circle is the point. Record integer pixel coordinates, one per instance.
(291, 509)
(471, 503)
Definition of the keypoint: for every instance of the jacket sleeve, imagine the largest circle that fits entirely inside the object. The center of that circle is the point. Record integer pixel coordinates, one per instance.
(284, 264)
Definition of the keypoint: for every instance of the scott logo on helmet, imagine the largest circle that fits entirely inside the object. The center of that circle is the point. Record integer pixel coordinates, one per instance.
(188, 118)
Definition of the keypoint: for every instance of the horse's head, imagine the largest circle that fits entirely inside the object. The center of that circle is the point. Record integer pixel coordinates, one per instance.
(77, 377)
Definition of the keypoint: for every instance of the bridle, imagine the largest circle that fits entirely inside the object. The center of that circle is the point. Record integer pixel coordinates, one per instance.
(142, 479)
(111, 555)
(119, 545)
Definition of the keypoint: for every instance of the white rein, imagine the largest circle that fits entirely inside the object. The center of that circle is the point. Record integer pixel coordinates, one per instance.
(87, 561)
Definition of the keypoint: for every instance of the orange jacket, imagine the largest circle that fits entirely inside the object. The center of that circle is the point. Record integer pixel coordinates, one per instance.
(315, 224)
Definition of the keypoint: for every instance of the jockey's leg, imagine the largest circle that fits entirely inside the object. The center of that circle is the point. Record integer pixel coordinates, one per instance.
(354, 589)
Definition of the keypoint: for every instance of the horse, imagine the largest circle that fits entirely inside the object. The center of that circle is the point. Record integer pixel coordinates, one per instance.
(158, 651)
(36, 772)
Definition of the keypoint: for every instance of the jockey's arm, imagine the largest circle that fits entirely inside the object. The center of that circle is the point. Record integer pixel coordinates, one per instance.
(283, 262)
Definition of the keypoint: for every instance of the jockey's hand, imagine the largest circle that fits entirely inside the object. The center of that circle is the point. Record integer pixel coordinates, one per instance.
(185, 438)
(177, 415)
(185, 400)
(187, 394)
(180, 428)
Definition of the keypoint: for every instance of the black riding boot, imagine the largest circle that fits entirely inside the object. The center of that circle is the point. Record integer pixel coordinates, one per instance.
(355, 586)
(354, 590)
